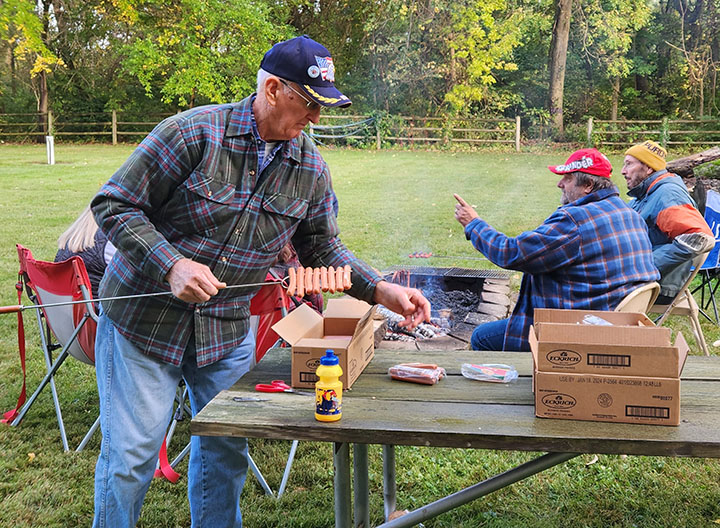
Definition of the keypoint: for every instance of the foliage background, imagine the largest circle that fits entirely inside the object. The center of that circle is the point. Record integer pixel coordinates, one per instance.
(627, 58)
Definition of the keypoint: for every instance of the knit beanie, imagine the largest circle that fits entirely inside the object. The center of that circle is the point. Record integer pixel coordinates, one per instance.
(650, 153)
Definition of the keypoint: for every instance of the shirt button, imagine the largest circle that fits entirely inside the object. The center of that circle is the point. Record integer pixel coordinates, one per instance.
(251, 173)
(197, 310)
(224, 259)
(209, 193)
(237, 231)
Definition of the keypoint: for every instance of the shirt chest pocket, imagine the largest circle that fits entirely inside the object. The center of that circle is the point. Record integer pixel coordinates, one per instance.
(279, 214)
(201, 205)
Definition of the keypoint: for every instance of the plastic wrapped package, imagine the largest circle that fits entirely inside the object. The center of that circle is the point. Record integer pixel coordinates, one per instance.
(424, 373)
(494, 372)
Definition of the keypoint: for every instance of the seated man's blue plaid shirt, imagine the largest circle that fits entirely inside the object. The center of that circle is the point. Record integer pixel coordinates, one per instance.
(588, 255)
(191, 189)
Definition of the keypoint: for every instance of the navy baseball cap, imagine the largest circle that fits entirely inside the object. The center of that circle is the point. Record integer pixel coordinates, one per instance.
(309, 64)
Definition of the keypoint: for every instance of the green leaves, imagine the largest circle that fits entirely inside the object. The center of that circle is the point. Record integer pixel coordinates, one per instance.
(198, 51)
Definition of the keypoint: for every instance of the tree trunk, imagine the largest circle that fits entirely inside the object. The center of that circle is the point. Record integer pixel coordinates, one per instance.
(43, 105)
(684, 166)
(615, 98)
(558, 57)
(701, 105)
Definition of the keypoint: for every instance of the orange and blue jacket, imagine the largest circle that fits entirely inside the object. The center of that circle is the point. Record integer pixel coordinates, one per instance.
(677, 230)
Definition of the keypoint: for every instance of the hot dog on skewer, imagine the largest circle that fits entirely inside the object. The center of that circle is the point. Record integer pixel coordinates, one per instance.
(324, 279)
(331, 280)
(292, 281)
(300, 290)
(347, 283)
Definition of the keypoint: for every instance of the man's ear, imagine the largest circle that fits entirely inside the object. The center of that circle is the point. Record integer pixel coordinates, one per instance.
(272, 87)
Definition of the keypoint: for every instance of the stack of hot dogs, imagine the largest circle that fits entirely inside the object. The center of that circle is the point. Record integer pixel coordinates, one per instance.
(302, 281)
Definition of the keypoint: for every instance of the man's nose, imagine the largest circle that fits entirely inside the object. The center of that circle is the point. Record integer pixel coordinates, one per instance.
(314, 115)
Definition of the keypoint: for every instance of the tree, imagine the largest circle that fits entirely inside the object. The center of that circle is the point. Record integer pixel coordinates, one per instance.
(482, 38)
(558, 59)
(192, 51)
(606, 29)
(27, 28)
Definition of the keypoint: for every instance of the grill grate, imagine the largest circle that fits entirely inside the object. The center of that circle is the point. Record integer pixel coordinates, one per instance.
(469, 273)
(477, 273)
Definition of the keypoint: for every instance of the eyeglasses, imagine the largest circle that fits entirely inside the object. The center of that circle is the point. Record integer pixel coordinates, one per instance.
(310, 105)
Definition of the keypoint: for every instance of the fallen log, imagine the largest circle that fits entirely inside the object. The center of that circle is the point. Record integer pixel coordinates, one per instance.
(684, 166)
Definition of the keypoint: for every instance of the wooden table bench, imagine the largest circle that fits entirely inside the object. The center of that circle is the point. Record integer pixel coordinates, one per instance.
(457, 412)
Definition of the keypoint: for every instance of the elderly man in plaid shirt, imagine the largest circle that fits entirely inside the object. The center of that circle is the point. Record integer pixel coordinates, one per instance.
(207, 200)
(588, 255)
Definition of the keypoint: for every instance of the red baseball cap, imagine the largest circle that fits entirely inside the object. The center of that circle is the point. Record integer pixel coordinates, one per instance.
(590, 161)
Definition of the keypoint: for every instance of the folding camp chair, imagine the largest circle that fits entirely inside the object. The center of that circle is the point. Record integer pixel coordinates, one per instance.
(685, 304)
(640, 299)
(70, 328)
(269, 305)
(709, 273)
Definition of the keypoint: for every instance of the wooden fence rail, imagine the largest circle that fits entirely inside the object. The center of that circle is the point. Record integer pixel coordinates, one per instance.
(667, 132)
(336, 129)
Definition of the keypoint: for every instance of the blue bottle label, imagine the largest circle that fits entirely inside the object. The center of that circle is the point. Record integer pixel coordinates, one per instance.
(327, 402)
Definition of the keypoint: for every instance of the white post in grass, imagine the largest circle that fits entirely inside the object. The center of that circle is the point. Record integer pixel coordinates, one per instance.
(50, 147)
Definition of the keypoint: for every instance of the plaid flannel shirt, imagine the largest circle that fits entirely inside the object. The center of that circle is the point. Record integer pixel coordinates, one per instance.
(588, 255)
(192, 189)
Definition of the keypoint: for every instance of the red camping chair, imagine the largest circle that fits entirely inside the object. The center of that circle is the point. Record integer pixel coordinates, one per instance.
(70, 328)
(267, 307)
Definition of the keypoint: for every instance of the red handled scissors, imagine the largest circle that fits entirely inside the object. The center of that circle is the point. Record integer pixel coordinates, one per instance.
(278, 386)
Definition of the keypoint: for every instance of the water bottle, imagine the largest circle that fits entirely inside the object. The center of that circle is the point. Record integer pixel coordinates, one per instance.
(328, 389)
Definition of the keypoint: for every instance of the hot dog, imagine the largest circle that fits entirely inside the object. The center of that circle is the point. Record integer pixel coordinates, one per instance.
(300, 290)
(308, 281)
(331, 279)
(316, 281)
(324, 279)
(292, 278)
(346, 277)
(339, 279)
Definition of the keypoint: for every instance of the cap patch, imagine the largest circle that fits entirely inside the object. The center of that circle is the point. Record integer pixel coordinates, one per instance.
(327, 68)
(573, 166)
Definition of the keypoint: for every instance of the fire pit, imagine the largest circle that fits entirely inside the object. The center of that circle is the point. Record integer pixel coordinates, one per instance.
(461, 298)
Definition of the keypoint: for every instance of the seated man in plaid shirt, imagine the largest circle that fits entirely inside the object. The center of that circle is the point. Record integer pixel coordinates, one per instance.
(208, 200)
(588, 255)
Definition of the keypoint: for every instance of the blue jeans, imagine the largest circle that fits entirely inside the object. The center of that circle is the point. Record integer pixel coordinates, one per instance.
(489, 336)
(136, 404)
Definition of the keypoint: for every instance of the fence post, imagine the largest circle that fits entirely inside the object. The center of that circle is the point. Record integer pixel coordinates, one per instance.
(50, 149)
(589, 132)
(114, 127)
(664, 133)
(49, 123)
(378, 136)
(517, 133)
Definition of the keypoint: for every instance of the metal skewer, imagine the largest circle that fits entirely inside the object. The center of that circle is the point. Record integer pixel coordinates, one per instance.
(20, 307)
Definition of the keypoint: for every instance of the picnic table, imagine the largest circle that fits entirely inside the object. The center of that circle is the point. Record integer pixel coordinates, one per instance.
(457, 412)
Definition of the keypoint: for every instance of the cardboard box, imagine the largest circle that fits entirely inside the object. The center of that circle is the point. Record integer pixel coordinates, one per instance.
(628, 372)
(626, 399)
(346, 327)
(633, 346)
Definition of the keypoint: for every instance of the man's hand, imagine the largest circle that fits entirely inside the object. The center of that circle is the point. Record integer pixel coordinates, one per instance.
(407, 302)
(464, 213)
(193, 282)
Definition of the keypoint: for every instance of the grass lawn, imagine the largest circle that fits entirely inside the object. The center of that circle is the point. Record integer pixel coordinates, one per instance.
(392, 203)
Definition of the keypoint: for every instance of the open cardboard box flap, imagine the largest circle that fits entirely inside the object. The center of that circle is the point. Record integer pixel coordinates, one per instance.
(602, 335)
(302, 322)
(557, 315)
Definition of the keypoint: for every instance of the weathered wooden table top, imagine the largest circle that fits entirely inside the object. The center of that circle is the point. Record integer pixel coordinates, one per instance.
(458, 412)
